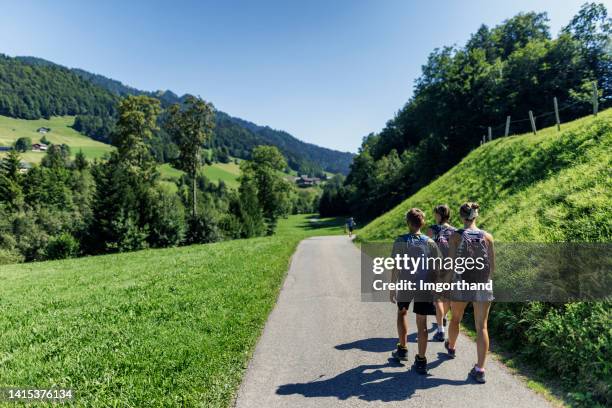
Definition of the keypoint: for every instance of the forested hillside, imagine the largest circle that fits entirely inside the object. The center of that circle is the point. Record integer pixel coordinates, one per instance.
(507, 70)
(34, 88)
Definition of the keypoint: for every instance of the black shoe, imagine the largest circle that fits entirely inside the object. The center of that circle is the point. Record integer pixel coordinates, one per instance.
(420, 365)
(444, 322)
(451, 352)
(479, 376)
(401, 354)
(439, 336)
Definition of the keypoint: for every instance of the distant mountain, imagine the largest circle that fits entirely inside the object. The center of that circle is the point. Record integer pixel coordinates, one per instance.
(237, 136)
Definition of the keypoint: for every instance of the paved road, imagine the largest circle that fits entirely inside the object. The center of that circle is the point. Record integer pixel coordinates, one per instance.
(323, 347)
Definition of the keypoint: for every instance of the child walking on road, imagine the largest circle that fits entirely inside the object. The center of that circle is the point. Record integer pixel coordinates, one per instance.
(441, 233)
(414, 244)
(472, 242)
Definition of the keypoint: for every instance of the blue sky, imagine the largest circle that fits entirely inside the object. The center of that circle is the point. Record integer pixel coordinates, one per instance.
(329, 72)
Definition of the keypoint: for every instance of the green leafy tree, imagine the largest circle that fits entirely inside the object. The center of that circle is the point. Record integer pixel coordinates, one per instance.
(264, 170)
(23, 144)
(123, 203)
(190, 126)
(11, 191)
(80, 161)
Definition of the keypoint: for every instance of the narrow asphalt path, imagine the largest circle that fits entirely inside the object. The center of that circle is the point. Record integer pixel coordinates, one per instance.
(323, 347)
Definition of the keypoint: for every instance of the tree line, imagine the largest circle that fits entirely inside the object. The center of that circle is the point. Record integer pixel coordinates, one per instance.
(509, 69)
(67, 207)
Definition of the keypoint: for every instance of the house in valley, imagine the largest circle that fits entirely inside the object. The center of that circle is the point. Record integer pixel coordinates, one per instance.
(305, 181)
(39, 147)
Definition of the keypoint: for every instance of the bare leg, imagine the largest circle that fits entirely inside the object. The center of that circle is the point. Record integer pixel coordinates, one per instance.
(402, 326)
(457, 309)
(440, 312)
(421, 321)
(481, 315)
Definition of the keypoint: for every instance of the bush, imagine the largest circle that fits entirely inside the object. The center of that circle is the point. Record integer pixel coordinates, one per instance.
(8, 256)
(571, 340)
(167, 225)
(23, 144)
(63, 246)
(203, 229)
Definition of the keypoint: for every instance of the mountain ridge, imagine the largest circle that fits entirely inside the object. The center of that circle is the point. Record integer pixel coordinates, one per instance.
(236, 136)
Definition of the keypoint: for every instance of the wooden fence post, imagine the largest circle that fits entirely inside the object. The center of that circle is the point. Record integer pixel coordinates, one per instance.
(533, 127)
(595, 99)
(507, 126)
(557, 114)
(490, 134)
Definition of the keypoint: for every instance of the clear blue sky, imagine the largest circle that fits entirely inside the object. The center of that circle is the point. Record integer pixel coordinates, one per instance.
(329, 72)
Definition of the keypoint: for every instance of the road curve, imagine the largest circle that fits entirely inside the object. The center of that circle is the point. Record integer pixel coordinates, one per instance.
(323, 347)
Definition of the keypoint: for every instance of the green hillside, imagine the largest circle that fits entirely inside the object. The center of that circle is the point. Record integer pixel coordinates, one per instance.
(61, 132)
(155, 328)
(547, 187)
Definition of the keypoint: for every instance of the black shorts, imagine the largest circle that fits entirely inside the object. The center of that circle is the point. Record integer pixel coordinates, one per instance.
(422, 308)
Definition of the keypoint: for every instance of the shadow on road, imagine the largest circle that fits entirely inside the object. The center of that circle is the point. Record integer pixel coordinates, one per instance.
(371, 383)
(378, 344)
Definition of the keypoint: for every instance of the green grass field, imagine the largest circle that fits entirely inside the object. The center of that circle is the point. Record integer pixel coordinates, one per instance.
(155, 328)
(547, 187)
(61, 132)
(227, 172)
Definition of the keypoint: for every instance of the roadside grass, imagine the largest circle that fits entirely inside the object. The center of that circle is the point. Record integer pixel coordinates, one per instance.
(156, 328)
(12, 129)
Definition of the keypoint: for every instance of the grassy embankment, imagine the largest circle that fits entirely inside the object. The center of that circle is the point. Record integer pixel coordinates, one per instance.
(62, 133)
(549, 187)
(167, 327)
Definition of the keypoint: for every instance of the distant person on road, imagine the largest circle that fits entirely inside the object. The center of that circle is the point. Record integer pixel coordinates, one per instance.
(472, 242)
(441, 232)
(350, 226)
(415, 245)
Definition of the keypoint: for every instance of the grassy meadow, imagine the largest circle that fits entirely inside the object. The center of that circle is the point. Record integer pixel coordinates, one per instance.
(156, 328)
(61, 132)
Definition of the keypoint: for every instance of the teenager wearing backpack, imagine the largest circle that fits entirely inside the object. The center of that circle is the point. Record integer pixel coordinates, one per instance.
(441, 233)
(470, 241)
(415, 245)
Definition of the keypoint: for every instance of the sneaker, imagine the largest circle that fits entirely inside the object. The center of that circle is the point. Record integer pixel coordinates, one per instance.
(401, 354)
(439, 336)
(450, 351)
(478, 375)
(420, 365)
(434, 325)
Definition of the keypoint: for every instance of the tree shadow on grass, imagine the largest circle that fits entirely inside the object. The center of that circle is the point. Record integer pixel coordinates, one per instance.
(316, 223)
(371, 383)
